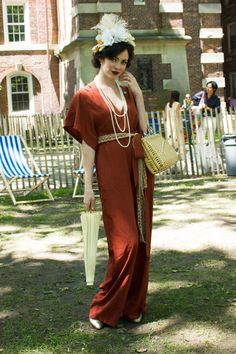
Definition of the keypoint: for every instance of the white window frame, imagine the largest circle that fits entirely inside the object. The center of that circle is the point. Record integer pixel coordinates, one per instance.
(5, 3)
(229, 41)
(29, 111)
(231, 84)
(139, 2)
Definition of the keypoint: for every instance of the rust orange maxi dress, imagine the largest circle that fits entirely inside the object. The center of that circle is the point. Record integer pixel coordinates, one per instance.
(123, 292)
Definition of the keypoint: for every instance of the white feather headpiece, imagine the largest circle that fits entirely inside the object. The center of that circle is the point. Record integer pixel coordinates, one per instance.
(111, 29)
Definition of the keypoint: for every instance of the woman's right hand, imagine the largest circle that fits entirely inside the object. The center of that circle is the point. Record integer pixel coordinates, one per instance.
(89, 200)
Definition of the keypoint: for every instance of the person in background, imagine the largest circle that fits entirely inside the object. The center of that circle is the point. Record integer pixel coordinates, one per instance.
(187, 102)
(208, 109)
(174, 127)
(231, 103)
(109, 119)
(187, 113)
(207, 100)
(188, 122)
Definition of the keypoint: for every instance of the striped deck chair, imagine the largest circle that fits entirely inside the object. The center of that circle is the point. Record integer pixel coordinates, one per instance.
(14, 166)
(79, 174)
(79, 177)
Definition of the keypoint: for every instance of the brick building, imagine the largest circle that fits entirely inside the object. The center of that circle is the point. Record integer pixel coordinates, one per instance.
(178, 44)
(45, 56)
(229, 46)
(29, 70)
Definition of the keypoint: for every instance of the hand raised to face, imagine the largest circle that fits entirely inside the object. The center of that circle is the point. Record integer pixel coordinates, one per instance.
(130, 80)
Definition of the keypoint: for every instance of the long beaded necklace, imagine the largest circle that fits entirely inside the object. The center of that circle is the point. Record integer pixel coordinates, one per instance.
(114, 115)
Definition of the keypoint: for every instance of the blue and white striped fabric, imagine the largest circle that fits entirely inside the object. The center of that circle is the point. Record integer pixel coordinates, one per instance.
(80, 171)
(12, 159)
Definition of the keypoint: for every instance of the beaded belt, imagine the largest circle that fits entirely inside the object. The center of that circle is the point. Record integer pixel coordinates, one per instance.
(111, 137)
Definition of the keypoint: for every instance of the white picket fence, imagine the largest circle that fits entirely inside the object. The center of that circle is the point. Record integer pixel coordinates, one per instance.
(200, 149)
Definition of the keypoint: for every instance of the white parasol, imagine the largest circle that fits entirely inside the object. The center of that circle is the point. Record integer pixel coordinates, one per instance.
(90, 226)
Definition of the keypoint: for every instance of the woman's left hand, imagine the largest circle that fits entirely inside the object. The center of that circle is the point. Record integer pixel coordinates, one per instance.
(132, 82)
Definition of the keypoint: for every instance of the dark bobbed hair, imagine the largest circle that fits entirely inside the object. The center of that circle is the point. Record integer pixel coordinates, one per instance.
(174, 97)
(213, 84)
(112, 51)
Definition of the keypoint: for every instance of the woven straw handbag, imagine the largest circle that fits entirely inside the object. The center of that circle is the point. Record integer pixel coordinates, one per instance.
(159, 155)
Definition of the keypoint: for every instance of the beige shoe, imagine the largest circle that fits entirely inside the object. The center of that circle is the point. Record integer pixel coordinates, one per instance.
(96, 323)
(139, 319)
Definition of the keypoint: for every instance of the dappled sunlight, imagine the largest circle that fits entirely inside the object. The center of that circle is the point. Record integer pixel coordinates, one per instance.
(212, 203)
(197, 236)
(5, 290)
(156, 326)
(211, 263)
(29, 207)
(8, 314)
(55, 246)
(70, 231)
(230, 312)
(203, 335)
(196, 336)
(152, 286)
(30, 264)
(10, 229)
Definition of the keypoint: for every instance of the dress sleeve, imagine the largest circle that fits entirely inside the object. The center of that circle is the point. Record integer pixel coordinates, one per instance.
(79, 122)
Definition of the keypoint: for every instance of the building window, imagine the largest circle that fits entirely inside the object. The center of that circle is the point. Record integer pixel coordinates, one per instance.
(145, 76)
(20, 93)
(16, 23)
(16, 20)
(232, 37)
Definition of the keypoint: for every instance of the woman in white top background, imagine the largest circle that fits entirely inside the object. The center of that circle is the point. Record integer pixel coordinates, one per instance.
(174, 127)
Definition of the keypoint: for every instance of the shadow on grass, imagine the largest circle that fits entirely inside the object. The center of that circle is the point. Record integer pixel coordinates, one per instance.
(213, 201)
(45, 303)
(61, 212)
(198, 285)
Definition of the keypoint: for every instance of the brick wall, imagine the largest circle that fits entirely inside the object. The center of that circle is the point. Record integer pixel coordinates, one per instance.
(35, 62)
(3, 97)
(86, 21)
(191, 22)
(210, 20)
(228, 16)
(39, 21)
(46, 84)
(140, 17)
(211, 45)
(212, 69)
(1, 26)
(157, 98)
(171, 20)
(148, 17)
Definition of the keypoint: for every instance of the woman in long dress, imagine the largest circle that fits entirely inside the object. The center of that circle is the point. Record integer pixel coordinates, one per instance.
(109, 120)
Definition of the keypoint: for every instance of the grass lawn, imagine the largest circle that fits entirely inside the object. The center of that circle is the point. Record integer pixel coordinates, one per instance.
(44, 300)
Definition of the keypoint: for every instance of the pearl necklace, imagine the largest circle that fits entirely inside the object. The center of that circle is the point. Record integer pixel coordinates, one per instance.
(114, 115)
